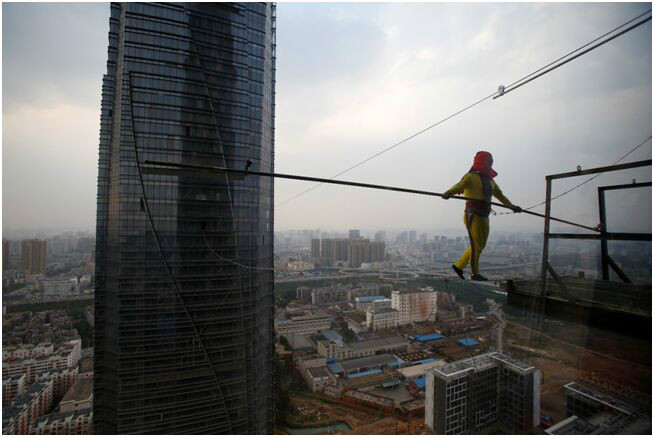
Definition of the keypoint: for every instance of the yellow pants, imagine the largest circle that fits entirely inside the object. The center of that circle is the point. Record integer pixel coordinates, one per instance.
(478, 228)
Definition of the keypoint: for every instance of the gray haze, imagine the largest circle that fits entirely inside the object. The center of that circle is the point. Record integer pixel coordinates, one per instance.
(351, 80)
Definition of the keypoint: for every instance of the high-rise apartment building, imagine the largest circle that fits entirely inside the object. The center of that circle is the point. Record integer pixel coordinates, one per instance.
(315, 248)
(184, 298)
(355, 234)
(33, 255)
(415, 305)
(377, 251)
(380, 236)
(358, 252)
(5, 255)
(485, 394)
(412, 237)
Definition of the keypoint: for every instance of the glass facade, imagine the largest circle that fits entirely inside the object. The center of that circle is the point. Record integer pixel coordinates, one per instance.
(184, 281)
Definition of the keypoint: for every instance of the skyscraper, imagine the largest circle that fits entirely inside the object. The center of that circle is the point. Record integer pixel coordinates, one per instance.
(184, 298)
(33, 255)
(486, 394)
(5, 255)
(355, 234)
(315, 248)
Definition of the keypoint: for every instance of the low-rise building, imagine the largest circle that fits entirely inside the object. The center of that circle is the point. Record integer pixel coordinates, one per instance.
(76, 422)
(303, 324)
(334, 349)
(382, 318)
(79, 396)
(66, 356)
(12, 387)
(363, 303)
(62, 379)
(35, 402)
(317, 378)
(355, 323)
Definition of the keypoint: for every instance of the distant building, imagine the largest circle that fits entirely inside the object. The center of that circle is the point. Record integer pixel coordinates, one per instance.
(35, 402)
(33, 255)
(363, 303)
(5, 255)
(75, 422)
(12, 387)
(412, 237)
(380, 236)
(382, 318)
(485, 394)
(338, 349)
(302, 324)
(355, 234)
(79, 396)
(315, 248)
(415, 305)
(317, 378)
(594, 412)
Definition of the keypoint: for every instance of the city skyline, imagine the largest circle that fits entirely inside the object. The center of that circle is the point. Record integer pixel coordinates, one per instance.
(554, 124)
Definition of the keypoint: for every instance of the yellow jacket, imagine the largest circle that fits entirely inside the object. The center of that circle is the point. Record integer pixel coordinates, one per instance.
(472, 186)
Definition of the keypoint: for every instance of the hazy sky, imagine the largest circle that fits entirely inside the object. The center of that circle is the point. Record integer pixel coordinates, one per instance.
(353, 79)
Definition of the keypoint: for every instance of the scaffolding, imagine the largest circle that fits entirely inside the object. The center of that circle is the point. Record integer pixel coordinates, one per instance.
(604, 236)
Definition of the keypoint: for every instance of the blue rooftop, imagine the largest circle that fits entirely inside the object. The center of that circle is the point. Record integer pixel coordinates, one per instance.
(468, 342)
(420, 382)
(364, 373)
(425, 361)
(429, 337)
(331, 335)
(368, 298)
(335, 368)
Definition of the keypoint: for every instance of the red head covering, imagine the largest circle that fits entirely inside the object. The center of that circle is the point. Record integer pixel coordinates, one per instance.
(483, 164)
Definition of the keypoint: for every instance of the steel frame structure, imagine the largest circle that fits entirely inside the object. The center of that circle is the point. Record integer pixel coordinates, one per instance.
(603, 235)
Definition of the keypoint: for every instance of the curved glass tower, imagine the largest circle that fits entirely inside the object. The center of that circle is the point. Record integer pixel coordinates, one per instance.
(184, 298)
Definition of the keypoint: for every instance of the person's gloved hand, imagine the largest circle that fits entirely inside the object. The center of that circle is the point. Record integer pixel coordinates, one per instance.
(445, 196)
(516, 208)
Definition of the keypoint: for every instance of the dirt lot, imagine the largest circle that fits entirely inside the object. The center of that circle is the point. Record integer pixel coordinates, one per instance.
(361, 422)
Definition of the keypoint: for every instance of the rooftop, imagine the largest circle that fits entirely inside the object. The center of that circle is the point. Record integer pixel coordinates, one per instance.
(318, 372)
(368, 298)
(600, 397)
(82, 390)
(480, 362)
(373, 361)
(394, 341)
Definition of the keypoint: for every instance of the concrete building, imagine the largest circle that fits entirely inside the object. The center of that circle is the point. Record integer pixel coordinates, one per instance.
(358, 253)
(315, 248)
(382, 318)
(79, 396)
(183, 331)
(338, 349)
(75, 422)
(12, 387)
(415, 305)
(62, 379)
(5, 255)
(11, 353)
(67, 356)
(592, 411)
(35, 402)
(355, 234)
(363, 303)
(317, 378)
(484, 394)
(33, 255)
(380, 236)
(355, 323)
(309, 323)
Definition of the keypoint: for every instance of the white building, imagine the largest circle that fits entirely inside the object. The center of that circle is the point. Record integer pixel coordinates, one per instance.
(382, 318)
(305, 324)
(317, 378)
(415, 305)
